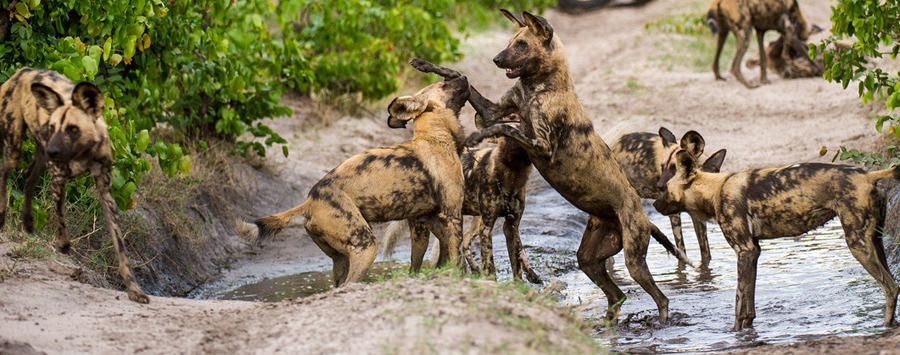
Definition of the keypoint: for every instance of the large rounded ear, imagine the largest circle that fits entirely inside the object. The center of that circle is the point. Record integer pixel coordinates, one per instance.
(539, 26)
(668, 138)
(88, 98)
(714, 163)
(693, 143)
(512, 18)
(403, 109)
(685, 164)
(46, 98)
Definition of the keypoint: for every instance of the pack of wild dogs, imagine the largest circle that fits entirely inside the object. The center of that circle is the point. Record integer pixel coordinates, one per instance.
(427, 184)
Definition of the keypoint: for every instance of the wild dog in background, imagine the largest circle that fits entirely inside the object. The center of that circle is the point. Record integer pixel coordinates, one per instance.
(66, 123)
(784, 202)
(743, 16)
(420, 179)
(793, 65)
(495, 187)
(646, 157)
(562, 144)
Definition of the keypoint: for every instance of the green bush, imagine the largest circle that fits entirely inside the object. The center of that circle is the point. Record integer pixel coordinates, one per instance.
(875, 26)
(216, 67)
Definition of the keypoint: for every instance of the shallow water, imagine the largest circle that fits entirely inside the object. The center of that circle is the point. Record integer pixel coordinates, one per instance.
(807, 287)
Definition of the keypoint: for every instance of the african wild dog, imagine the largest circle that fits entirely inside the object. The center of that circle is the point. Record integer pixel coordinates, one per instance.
(66, 123)
(794, 65)
(784, 202)
(420, 179)
(495, 187)
(561, 142)
(742, 16)
(646, 158)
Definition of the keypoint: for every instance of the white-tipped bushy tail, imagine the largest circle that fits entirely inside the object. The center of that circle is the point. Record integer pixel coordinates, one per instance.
(612, 135)
(393, 233)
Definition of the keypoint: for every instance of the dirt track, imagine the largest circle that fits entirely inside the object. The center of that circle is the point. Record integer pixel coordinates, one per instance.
(623, 73)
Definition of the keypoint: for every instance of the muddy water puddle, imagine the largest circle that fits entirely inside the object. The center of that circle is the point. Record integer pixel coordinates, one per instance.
(807, 287)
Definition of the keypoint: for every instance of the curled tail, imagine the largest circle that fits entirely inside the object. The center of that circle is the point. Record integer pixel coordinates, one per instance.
(889, 173)
(392, 234)
(711, 21)
(268, 226)
(662, 239)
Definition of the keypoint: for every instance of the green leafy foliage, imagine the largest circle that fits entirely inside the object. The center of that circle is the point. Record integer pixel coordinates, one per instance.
(876, 29)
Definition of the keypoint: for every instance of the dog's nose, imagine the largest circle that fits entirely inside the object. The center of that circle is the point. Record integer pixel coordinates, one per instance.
(497, 60)
(53, 153)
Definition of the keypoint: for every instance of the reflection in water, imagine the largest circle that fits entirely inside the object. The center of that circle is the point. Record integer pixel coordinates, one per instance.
(807, 286)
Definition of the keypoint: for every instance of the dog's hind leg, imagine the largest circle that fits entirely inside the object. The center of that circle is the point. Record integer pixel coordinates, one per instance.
(763, 58)
(517, 258)
(419, 239)
(861, 232)
(745, 296)
(720, 42)
(360, 260)
(742, 36)
(12, 150)
(35, 169)
(636, 231)
(600, 241)
(58, 189)
(675, 219)
(468, 236)
(487, 245)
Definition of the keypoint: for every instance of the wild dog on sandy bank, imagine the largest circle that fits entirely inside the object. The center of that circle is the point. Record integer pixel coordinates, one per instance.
(562, 144)
(66, 123)
(420, 179)
(783, 202)
(793, 65)
(495, 187)
(743, 16)
(646, 158)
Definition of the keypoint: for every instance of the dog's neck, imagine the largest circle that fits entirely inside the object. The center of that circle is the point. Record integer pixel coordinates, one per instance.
(703, 195)
(555, 77)
(440, 126)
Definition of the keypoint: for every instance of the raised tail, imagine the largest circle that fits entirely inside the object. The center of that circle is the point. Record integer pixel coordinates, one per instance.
(662, 239)
(268, 226)
(889, 173)
(392, 234)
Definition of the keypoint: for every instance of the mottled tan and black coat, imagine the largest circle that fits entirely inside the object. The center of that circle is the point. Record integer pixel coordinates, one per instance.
(646, 158)
(66, 123)
(796, 64)
(741, 17)
(562, 144)
(420, 179)
(784, 202)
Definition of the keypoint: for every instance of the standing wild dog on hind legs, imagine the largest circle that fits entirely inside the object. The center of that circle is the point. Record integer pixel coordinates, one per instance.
(495, 187)
(66, 123)
(647, 158)
(743, 16)
(784, 202)
(420, 179)
(561, 142)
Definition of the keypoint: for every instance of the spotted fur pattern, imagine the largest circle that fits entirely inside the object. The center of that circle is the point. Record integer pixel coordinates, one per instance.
(66, 123)
(741, 17)
(420, 180)
(784, 202)
(647, 158)
(561, 142)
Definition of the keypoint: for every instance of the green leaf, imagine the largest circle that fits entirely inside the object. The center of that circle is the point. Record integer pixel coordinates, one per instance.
(107, 48)
(22, 10)
(129, 46)
(284, 150)
(90, 66)
(143, 141)
(184, 165)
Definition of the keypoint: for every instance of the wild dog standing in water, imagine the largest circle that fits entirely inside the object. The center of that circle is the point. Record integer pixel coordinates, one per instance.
(420, 179)
(742, 16)
(495, 187)
(784, 202)
(66, 123)
(647, 157)
(561, 142)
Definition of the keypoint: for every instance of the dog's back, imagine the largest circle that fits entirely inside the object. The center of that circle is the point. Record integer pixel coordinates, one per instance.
(640, 155)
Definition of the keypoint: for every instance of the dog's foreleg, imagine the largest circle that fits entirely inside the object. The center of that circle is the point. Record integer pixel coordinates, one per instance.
(429, 67)
(35, 169)
(534, 146)
(102, 177)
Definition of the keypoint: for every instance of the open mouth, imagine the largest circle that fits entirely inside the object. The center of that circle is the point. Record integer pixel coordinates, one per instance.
(513, 72)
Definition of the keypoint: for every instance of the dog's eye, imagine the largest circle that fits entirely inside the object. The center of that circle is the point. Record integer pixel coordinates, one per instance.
(73, 130)
(521, 44)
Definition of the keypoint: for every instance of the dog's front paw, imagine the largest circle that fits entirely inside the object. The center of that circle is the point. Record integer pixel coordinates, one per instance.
(138, 296)
(474, 139)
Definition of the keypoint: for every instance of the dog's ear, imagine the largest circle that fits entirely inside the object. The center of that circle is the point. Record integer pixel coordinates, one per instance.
(88, 98)
(685, 164)
(714, 163)
(512, 18)
(539, 26)
(693, 143)
(668, 138)
(403, 109)
(46, 98)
